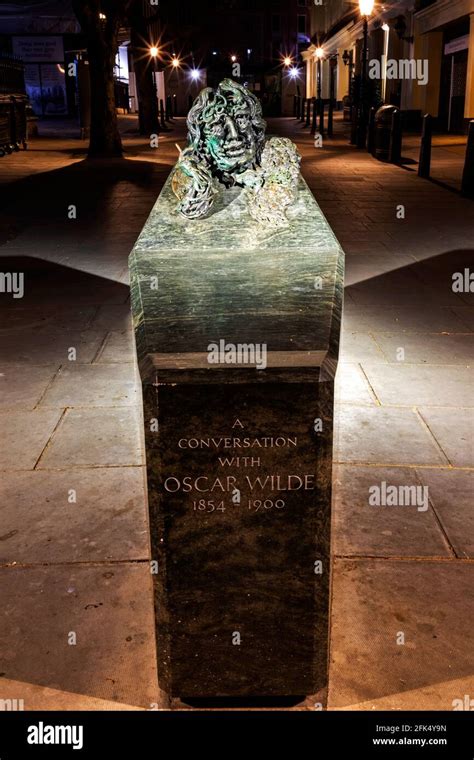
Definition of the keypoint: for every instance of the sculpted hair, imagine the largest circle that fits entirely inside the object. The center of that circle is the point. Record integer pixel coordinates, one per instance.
(212, 103)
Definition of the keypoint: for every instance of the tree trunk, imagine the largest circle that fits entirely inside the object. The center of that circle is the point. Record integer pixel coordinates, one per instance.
(102, 44)
(105, 139)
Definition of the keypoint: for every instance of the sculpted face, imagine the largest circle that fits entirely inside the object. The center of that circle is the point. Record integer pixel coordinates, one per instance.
(230, 138)
(226, 137)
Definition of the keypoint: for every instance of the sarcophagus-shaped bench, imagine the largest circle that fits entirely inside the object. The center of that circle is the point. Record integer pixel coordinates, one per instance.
(237, 337)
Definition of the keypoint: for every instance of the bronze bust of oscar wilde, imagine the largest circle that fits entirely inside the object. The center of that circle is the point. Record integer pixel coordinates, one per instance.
(227, 147)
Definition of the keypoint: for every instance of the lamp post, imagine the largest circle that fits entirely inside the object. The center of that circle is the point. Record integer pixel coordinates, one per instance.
(366, 8)
(154, 52)
(333, 66)
(320, 57)
(348, 60)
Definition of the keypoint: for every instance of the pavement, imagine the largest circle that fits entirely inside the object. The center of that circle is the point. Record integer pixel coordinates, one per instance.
(78, 629)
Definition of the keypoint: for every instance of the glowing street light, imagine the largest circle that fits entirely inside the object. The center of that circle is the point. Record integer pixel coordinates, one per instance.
(320, 55)
(287, 61)
(195, 74)
(154, 52)
(176, 63)
(366, 7)
(233, 58)
(385, 27)
(294, 72)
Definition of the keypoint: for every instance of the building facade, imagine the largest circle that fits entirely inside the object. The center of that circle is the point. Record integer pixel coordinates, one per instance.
(421, 53)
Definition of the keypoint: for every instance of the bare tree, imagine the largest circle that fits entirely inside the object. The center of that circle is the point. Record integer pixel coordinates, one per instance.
(100, 21)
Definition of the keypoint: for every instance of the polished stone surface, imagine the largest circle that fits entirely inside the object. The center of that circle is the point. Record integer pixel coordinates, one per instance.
(241, 607)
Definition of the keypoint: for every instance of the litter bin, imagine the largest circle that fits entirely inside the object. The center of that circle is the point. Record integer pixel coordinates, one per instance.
(383, 128)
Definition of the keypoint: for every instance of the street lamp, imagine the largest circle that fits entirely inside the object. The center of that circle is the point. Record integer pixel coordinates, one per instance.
(320, 55)
(154, 52)
(332, 73)
(366, 7)
(348, 60)
(287, 61)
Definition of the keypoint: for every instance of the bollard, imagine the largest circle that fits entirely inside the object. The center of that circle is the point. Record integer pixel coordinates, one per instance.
(175, 105)
(190, 102)
(314, 125)
(395, 155)
(162, 117)
(331, 117)
(371, 131)
(424, 165)
(168, 115)
(308, 112)
(467, 187)
(302, 112)
(298, 107)
(353, 140)
(294, 105)
(321, 117)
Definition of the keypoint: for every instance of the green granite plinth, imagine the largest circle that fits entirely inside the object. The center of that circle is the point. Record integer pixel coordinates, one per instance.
(239, 458)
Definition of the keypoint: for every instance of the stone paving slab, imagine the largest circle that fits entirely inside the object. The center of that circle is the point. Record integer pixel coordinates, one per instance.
(431, 604)
(454, 430)
(119, 347)
(355, 345)
(352, 386)
(42, 698)
(108, 607)
(50, 346)
(422, 385)
(23, 387)
(100, 437)
(92, 385)
(362, 529)
(452, 496)
(25, 435)
(73, 516)
(413, 318)
(113, 318)
(384, 436)
(58, 315)
(367, 265)
(427, 349)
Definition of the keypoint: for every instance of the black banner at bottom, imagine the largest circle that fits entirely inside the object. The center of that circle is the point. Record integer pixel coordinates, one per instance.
(235, 733)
